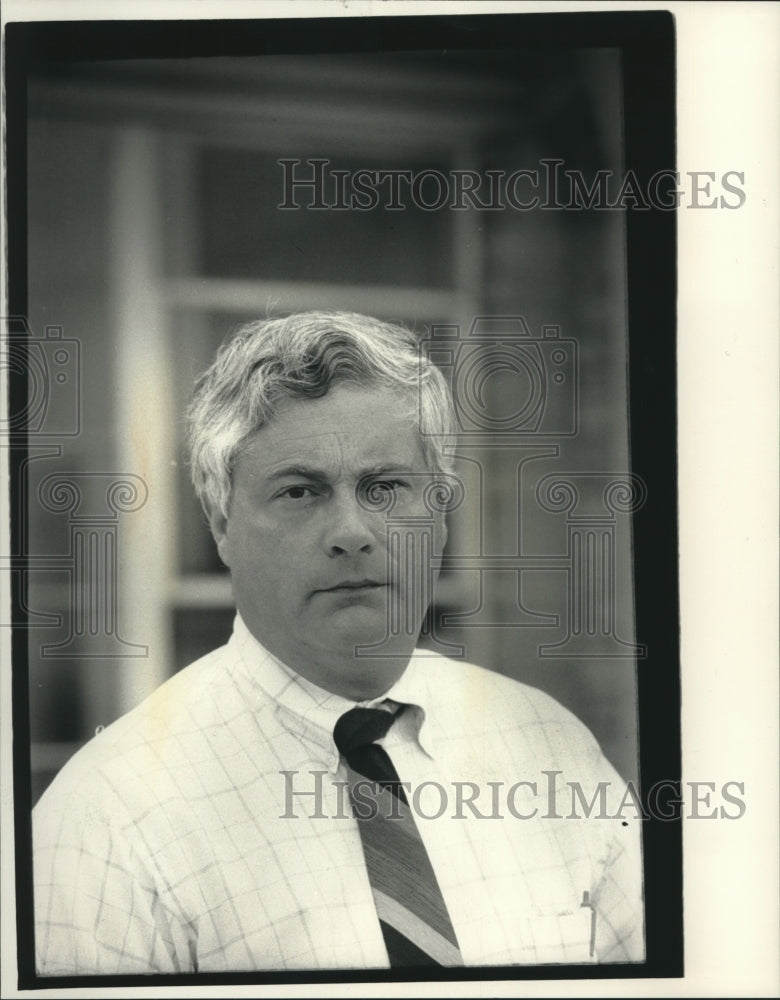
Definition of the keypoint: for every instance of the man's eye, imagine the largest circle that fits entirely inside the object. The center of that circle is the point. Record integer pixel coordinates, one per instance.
(382, 491)
(296, 493)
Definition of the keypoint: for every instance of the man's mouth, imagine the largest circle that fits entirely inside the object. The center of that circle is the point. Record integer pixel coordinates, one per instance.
(345, 585)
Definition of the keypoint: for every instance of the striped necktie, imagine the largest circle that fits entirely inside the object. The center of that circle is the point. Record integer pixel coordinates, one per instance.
(412, 913)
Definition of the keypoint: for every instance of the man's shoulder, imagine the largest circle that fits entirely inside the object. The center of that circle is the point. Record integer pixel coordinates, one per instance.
(467, 686)
(165, 725)
(486, 704)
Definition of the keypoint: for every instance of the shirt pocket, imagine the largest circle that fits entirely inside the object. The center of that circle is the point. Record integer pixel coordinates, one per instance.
(562, 938)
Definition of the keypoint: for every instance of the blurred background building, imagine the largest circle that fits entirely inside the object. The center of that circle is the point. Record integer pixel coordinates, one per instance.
(154, 228)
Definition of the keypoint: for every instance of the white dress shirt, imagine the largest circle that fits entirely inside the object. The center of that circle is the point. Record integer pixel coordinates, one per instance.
(178, 841)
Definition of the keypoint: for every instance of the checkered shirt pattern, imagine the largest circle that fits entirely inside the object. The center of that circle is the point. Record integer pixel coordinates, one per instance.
(209, 829)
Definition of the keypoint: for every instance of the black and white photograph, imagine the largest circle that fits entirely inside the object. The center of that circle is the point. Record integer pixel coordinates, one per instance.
(341, 357)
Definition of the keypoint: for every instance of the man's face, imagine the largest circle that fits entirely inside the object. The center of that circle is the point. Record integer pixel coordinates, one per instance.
(314, 574)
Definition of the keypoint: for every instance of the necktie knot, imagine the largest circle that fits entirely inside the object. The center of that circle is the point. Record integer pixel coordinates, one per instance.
(360, 727)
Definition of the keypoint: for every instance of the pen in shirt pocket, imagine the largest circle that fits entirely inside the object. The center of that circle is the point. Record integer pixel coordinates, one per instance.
(586, 902)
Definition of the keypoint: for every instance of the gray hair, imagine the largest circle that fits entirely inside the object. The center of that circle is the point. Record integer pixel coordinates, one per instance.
(305, 355)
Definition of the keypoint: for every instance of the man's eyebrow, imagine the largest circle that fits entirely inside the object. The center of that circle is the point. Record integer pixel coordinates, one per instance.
(304, 471)
(389, 469)
(309, 472)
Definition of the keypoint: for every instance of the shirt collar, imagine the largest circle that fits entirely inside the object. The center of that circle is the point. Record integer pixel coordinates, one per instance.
(312, 712)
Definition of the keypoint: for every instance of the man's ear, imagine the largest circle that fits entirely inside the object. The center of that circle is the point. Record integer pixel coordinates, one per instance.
(440, 533)
(218, 523)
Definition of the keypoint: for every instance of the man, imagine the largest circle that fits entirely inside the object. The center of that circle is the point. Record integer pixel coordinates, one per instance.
(317, 793)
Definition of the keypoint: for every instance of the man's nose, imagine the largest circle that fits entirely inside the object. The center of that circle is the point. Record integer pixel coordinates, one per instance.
(349, 528)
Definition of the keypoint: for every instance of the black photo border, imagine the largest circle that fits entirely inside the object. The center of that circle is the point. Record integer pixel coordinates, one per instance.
(647, 43)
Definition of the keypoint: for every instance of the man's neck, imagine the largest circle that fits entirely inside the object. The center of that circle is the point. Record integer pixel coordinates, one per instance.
(350, 674)
(366, 679)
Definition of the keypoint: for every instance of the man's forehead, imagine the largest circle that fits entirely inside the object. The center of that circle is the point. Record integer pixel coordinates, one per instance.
(329, 450)
(370, 428)
(345, 398)
(345, 408)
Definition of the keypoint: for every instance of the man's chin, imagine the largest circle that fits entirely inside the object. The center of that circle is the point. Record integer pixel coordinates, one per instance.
(364, 625)
(357, 623)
